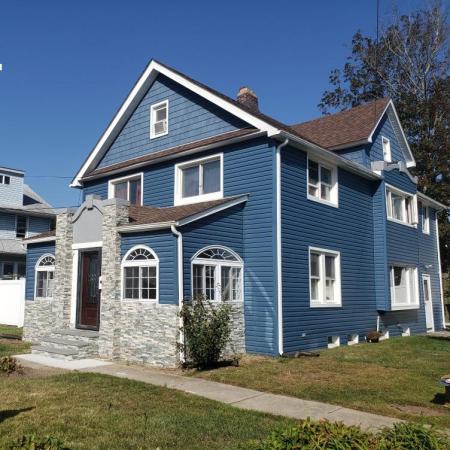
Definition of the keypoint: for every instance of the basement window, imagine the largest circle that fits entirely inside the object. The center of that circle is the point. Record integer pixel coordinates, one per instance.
(334, 341)
(384, 335)
(352, 339)
(406, 332)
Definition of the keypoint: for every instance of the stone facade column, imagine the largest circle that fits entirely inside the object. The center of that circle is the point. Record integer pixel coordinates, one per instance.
(62, 295)
(115, 213)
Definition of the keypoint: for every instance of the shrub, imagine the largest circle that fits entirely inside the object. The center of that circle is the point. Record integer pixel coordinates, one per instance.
(206, 329)
(411, 436)
(373, 336)
(32, 442)
(9, 365)
(309, 435)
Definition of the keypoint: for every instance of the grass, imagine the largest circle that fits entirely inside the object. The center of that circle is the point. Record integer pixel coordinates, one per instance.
(101, 412)
(398, 377)
(11, 330)
(10, 347)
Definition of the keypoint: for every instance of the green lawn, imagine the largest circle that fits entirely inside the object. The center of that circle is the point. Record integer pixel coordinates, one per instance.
(11, 331)
(398, 377)
(100, 412)
(10, 347)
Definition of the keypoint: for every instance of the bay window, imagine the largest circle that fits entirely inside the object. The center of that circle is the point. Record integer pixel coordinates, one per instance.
(324, 277)
(404, 287)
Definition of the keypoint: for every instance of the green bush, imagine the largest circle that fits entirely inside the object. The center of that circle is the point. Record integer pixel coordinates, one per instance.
(32, 442)
(310, 435)
(206, 330)
(9, 365)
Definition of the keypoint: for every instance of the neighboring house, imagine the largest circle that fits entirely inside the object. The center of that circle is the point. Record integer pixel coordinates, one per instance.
(23, 213)
(315, 233)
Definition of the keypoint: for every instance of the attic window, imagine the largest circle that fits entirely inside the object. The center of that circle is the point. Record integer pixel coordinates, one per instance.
(5, 179)
(159, 119)
(387, 156)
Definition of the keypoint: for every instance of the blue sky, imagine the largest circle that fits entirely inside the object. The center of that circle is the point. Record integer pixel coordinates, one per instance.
(68, 65)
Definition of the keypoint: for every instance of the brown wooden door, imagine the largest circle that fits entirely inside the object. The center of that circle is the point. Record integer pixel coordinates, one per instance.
(89, 292)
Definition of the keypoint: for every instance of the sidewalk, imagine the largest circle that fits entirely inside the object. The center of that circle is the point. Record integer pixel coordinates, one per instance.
(231, 395)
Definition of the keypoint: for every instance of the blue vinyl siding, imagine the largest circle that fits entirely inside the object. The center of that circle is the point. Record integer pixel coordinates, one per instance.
(359, 155)
(191, 118)
(164, 244)
(34, 252)
(376, 148)
(347, 229)
(98, 187)
(7, 226)
(38, 225)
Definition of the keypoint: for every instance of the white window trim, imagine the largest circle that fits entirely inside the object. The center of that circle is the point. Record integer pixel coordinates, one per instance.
(425, 224)
(338, 300)
(334, 192)
(409, 305)
(128, 178)
(386, 141)
(42, 269)
(178, 194)
(389, 188)
(152, 119)
(217, 263)
(139, 263)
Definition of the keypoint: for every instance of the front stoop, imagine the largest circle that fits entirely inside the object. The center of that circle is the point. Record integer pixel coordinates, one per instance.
(68, 344)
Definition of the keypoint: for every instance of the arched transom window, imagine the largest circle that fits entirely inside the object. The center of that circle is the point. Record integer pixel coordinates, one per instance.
(217, 274)
(45, 270)
(140, 267)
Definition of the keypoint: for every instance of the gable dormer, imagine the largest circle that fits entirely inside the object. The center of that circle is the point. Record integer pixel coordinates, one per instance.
(11, 187)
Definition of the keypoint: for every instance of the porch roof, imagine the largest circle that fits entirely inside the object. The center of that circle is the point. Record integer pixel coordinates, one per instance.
(42, 237)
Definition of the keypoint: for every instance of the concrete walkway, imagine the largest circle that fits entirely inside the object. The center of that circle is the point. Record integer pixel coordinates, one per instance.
(231, 395)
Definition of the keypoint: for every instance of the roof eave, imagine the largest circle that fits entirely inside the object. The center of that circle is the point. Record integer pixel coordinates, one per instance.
(39, 240)
(431, 202)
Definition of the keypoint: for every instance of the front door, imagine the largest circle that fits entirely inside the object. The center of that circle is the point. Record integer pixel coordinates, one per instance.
(428, 302)
(89, 289)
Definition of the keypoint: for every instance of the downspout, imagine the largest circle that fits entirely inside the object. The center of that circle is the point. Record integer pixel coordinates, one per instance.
(439, 268)
(180, 280)
(278, 245)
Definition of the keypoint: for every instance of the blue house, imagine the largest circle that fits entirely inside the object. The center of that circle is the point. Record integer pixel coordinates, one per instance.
(314, 233)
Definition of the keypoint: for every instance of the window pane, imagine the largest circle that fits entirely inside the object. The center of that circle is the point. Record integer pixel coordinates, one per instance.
(131, 279)
(313, 190)
(190, 181)
(197, 281)
(226, 283)
(135, 192)
(210, 283)
(40, 284)
(121, 190)
(236, 284)
(329, 290)
(313, 172)
(408, 205)
(211, 177)
(397, 206)
(426, 292)
(315, 271)
(329, 266)
(50, 284)
(21, 226)
(161, 113)
(314, 289)
(400, 289)
(325, 192)
(325, 175)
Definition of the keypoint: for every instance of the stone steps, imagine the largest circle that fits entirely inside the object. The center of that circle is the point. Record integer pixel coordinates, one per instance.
(68, 344)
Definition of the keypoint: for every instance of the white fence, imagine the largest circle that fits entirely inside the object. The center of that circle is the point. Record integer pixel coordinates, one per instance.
(12, 302)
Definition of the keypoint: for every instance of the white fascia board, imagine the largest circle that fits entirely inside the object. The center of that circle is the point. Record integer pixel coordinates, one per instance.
(39, 240)
(135, 96)
(145, 227)
(328, 156)
(431, 202)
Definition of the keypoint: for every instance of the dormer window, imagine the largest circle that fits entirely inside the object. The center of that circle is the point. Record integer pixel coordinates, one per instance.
(5, 179)
(199, 180)
(159, 119)
(127, 188)
(387, 156)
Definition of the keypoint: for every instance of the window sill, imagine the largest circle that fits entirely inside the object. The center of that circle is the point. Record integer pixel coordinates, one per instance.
(404, 307)
(43, 299)
(427, 233)
(199, 198)
(325, 305)
(324, 202)
(410, 225)
(136, 300)
(159, 135)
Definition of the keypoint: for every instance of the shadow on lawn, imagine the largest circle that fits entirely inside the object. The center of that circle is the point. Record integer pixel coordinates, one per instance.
(439, 399)
(7, 414)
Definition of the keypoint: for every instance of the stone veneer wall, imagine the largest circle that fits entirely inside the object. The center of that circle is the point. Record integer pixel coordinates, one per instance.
(39, 320)
(237, 344)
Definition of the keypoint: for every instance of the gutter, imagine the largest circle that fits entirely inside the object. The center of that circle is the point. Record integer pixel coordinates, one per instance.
(431, 202)
(278, 246)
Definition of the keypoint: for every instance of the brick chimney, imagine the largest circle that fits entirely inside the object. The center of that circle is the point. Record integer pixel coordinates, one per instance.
(248, 98)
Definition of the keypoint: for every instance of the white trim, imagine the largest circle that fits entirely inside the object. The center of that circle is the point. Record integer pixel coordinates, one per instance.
(426, 276)
(152, 119)
(384, 335)
(410, 304)
(139, 263)
(45, 269)
(431, 202)
(334, 190)
(337, 303)
(128, 178)
(404, 194)
(425, 224)
(354, 339)
(406, 332)
(38, 240)
(135, 96)
(335, 342)
(178, 185)
(74, 292)
(279, 248)
(387, 156)
(95, 244)
(441, 285)
(218, 264)
(180, 276)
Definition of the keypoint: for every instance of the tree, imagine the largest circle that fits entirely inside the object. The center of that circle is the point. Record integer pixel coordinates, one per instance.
(410, 64)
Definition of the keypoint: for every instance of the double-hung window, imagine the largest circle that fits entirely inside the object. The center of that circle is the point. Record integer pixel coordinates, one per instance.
(127, 188)
(386, 143)
(5, 179)
(21, 226)
(324, 277)
(322, 183)
(159, 119)
(199, 180)
(44, 276)
(401, 206)
(425, 219)
(140, 268)
(404, 287)
(217, 275)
